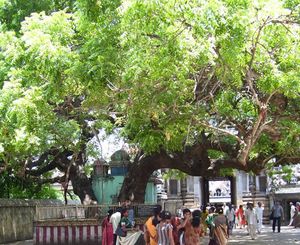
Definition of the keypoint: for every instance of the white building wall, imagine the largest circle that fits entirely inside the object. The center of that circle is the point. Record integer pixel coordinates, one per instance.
(198, 190)
(240, 186)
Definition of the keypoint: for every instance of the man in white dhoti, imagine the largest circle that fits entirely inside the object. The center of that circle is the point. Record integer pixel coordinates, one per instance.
(292, 213)
(259, 212)
(251, 218)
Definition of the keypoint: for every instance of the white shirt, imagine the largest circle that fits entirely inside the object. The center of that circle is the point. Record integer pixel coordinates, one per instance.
(225, 209)
(230, 214)
(251, 217)
(115, 220)
(293, 210)
(259, 212)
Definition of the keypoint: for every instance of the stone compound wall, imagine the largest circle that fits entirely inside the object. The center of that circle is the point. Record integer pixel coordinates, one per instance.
(17, 216)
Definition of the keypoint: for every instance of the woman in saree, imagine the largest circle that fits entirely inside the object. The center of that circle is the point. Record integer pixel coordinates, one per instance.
(150, 232)
(193, 229)
(220, 229)
(240, 214)
(107, 230)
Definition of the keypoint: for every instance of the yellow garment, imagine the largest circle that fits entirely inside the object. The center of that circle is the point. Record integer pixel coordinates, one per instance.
(220, 234)
(203, 221)
(152, 231)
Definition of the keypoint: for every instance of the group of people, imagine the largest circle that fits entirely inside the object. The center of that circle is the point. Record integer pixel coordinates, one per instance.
(165, 229)
(277, 215)
(250, 217)
(118, 228)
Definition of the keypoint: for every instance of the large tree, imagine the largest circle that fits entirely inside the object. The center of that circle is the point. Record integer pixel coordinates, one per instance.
(195, 85)
(210, 85)
(52, 71)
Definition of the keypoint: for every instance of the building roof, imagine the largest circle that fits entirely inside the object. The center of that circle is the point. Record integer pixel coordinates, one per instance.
(119, 158)
(288, 190)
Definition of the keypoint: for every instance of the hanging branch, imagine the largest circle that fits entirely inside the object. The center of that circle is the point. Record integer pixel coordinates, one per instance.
(98, 140)
(67, 174)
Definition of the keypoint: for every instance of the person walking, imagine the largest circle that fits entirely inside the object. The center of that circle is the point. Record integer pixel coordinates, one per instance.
(292, 213)
(259, 212)
(240, 214)
(204, 215)
(175, 222)
(107, 230)
(210, 220)
(193, 229)
(296, 219)
(115, 219)
(220, 229)
(277, 216)
(165, 229)
(181, 228)
(230, 215)
(251, 218)
(150, 233)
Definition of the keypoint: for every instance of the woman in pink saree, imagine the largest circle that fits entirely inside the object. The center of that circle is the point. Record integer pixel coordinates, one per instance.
(107, 230)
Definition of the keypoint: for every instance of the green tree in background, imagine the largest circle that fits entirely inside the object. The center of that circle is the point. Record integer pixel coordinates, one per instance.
(15, 187)
(196, 86)
(13, 12)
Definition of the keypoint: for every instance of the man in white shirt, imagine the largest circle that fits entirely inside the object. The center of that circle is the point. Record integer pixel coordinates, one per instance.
(292, 212)
(259, 212)
(230, 215)
(251, 218)
(225, 207)
(115, 221)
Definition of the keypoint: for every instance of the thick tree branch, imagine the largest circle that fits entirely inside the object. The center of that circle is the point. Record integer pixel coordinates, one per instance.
(58, 179)
(226, 132)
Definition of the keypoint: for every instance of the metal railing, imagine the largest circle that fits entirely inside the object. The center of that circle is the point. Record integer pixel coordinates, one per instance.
(87, 211)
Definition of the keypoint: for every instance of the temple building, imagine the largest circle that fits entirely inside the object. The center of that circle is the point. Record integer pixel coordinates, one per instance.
(107, 179)
(194, 192)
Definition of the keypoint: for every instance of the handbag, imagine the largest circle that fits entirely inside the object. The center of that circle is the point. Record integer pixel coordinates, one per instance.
(271, 215)
(120, 232)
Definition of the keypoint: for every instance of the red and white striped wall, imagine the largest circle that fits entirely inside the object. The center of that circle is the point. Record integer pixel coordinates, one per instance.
(67, 234)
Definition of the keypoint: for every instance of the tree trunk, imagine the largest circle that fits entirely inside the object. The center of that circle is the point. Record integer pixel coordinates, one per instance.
(193, 162)
(82, 186)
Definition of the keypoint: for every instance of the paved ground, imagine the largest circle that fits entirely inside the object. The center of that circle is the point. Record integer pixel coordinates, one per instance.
(287, 236)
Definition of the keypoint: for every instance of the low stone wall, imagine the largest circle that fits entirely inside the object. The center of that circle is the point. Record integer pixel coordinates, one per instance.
(67, 231)
(17, 216)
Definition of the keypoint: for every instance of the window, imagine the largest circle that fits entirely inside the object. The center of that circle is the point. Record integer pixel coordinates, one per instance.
(190, 184)
(244, 178)
(262, 183)
(173, 187)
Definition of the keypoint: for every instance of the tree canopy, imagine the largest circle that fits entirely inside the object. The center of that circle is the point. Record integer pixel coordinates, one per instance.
(195, 85)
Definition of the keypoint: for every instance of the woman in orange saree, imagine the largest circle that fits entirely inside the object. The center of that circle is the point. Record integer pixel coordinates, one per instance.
(150, 232)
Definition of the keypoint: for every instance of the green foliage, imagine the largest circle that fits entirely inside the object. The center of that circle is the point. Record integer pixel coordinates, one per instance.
(13, 12)
(214, 154)
(16, 187)
(275, 175)
(225, 172)
(174, 174)
(162, 71)
(290, 144)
